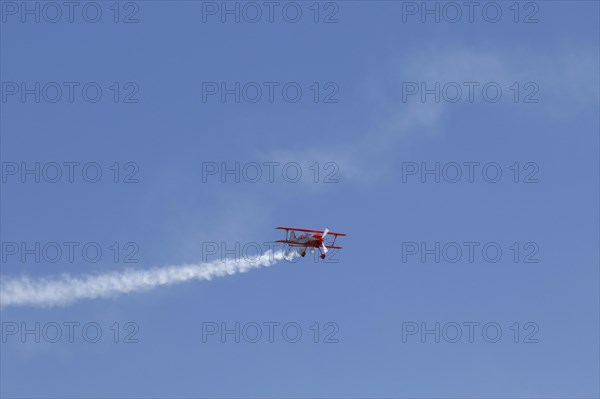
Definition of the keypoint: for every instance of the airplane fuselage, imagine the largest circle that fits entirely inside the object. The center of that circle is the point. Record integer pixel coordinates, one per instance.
(306, 240)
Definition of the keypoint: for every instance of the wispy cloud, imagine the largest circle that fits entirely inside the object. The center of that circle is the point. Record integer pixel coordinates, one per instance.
(567, 77)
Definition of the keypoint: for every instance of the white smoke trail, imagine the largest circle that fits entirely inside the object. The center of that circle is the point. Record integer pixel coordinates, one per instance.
(67, 289)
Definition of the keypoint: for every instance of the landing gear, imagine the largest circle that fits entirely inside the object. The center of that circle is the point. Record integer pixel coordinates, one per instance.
(322, 256)
(303, 254)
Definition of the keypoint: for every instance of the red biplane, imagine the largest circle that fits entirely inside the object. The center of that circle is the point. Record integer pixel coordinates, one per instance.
(308, 240)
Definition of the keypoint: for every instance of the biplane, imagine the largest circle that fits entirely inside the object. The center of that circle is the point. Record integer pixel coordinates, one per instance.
(310, 239)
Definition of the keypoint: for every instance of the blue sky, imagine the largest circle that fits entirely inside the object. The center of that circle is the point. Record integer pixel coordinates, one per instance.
(371, 134)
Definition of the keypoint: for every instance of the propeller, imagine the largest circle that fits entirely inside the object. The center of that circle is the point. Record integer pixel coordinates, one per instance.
(323, 247)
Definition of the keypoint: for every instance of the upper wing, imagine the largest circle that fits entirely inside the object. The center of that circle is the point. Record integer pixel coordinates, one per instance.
(309, 231)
